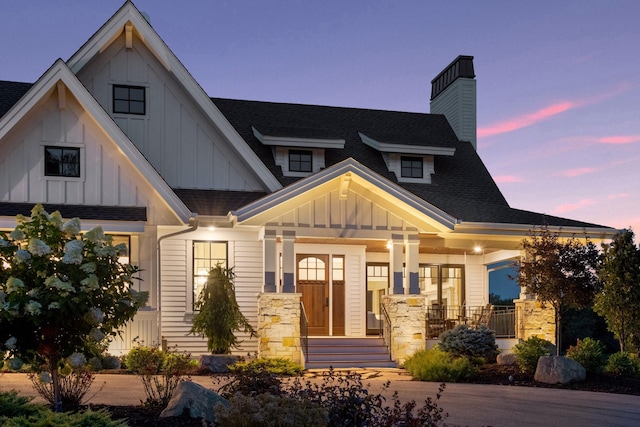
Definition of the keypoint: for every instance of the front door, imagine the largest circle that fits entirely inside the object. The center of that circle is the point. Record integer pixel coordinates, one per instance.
(313, 284)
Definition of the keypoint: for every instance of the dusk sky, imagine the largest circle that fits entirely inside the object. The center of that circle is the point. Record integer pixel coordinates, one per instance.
(558, 81)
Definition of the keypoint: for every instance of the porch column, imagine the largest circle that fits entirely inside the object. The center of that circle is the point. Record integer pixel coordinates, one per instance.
(288, 261)
(270, 260)
(279, 326)
(397, 244)
(407, 325)
(413, 245)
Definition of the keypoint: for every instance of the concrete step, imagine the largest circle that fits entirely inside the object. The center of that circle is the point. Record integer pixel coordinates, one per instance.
(348, 353)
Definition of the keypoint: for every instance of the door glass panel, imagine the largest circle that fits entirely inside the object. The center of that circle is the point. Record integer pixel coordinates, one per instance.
(377, 285)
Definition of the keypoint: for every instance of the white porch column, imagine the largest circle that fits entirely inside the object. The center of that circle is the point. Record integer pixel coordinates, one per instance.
(397, 258)
(412, 245)
(270, 260)
(288, 261)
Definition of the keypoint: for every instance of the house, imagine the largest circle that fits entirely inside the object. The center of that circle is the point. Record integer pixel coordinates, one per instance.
(337, 221)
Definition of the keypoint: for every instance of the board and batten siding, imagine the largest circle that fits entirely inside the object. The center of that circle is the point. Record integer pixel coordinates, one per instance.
(245, 256)
(182, 144)
(329, 211)
(107, 176)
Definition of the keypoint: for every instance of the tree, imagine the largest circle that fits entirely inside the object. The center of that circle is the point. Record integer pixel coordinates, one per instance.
(60, 291)
(559, 272)
(619, 300)
(219, 315)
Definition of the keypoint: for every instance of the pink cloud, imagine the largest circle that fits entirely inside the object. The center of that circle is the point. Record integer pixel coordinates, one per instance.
(619, 139)
(526, 120)
(573, 206)
(617, 196)
(507, 179)
(577, 172)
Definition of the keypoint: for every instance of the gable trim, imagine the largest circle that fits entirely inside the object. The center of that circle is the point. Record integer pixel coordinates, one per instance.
(59, 72)
(115, 26)
(348, 168)
(424, 150)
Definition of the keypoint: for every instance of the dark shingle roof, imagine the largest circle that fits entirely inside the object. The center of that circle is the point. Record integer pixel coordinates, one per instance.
(106, 213)
(10, 93)
(216, 202)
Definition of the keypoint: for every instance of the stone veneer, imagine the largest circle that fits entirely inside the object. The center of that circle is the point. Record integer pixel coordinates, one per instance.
(534, 319)
(407, 318)
(279, 326)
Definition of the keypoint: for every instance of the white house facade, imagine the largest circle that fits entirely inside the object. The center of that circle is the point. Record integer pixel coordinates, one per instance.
(332, 218)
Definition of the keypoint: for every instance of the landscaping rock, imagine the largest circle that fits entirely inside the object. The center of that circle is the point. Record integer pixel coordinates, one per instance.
(217, 362)
(507, 359)
(558, 370)
(200, 401)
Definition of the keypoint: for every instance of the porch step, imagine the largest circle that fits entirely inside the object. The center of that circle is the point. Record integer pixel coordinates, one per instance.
(348, 353)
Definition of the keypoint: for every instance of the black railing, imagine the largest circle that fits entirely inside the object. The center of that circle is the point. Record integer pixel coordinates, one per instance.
(385, 327)
(304, 332)
(501, 319)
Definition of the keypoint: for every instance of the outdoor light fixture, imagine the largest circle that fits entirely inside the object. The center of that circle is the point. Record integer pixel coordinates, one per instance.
(211, 228)
(477, 249)
(389, 244)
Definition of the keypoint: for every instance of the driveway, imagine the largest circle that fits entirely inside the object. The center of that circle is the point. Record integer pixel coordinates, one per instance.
(467, 404)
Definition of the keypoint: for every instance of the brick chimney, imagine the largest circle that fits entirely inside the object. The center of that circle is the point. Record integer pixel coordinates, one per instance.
(453, 93)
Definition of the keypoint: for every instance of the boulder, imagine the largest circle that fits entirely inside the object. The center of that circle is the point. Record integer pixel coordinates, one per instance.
(200, 401)
(558, 370)
(218, 363)
(507, 359)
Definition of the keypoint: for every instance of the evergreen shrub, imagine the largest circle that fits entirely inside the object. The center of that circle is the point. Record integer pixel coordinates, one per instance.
(530, 350)
(438, 365)
(624, 364)
(470, 342)
(589, 353)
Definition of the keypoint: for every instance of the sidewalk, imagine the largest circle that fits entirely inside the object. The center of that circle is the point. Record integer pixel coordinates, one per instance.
(467, 404)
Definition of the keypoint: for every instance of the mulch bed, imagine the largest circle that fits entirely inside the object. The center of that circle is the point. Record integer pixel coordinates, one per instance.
(141, 416)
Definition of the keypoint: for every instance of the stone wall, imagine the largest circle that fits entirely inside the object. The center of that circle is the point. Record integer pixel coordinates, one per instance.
(534, 319)
(279, 326)
(407, 318)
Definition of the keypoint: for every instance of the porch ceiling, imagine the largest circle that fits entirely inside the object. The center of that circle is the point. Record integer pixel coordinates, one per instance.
(434, 247)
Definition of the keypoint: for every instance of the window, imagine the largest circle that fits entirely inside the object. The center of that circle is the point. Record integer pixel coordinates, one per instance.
(129, 99)
(411, 167)
(206, 255)
(62, 162)
(300, 161)
(123, 255)
(442, 284)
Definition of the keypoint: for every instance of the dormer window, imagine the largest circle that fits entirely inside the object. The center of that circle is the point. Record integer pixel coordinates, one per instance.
(129, 99)
(411, 167)
(299, 152)
(300, 161)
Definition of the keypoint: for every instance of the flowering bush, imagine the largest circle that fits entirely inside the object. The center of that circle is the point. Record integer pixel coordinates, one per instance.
(60, 290)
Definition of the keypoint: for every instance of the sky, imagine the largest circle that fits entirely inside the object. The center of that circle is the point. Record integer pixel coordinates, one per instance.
(558, 82)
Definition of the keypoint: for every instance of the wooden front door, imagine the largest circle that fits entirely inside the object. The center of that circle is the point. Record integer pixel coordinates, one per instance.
(313, 284)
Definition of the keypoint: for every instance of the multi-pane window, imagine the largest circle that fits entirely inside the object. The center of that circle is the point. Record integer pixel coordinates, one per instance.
(62, 162)
(300, 161)
(311, 268)
(128, 99)
(206, 255)
(411, 167)
(442, 284)
(122, 240)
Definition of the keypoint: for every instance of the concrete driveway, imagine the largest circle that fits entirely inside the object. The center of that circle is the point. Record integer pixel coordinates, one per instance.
(467, 404)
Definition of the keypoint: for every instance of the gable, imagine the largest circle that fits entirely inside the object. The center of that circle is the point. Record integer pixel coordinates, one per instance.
(182, 134)
(348, 198)
(58, 113)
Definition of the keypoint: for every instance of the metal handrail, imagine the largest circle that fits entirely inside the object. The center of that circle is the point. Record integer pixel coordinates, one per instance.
(501, 319)
(385, 327)
(304, 331)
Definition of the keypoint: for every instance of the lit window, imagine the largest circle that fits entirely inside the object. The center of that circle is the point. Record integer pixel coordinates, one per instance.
(300, 161)
(62, 162)
(411, 167)
(128, 99)
(123, 255)
(206, 255)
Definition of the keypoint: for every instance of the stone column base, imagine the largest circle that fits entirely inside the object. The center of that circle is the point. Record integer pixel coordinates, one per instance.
(279, 326)
(535, 320)
(407, 317)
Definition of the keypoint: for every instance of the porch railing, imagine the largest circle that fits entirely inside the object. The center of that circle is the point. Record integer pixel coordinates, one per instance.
(385, 327)
(501, 319)
(304, 332)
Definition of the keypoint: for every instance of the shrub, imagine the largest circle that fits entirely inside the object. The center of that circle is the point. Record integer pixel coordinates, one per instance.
(160, 372)
(110, 362)
(438, 365)
(624, 364)
(74, 384)
(277, 366)
(269, 410)
(529, 351)
(18, 411)
(473, 343)
(589, 353)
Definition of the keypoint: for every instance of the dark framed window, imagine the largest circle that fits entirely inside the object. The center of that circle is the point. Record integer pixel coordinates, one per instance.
(300, 161)
(62, 162)
(128, 99)
(411, 167)
(206, 255)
